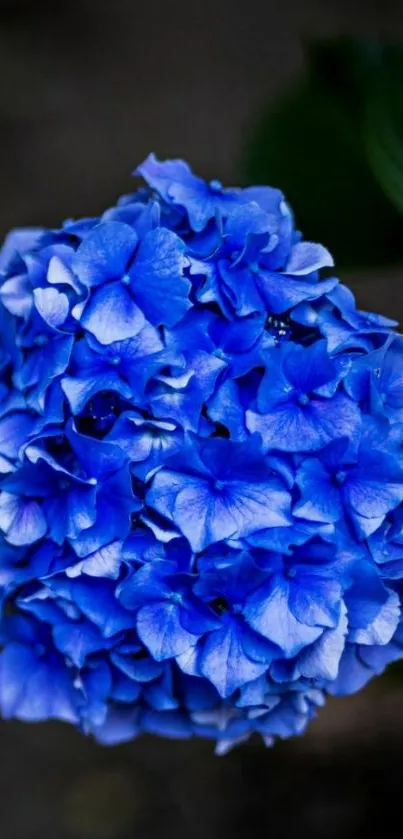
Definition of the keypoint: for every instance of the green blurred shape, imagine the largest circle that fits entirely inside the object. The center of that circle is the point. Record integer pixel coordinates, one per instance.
(384, 123)
(323, 146)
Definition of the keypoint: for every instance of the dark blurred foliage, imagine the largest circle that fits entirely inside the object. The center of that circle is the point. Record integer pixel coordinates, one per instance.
(88, 89)
(384, 123)
(335, 144)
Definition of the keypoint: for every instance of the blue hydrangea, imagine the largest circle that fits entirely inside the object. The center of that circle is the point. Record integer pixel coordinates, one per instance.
(201, 472)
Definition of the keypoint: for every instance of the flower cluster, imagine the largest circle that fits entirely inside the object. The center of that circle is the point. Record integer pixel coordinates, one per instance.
(201, 482)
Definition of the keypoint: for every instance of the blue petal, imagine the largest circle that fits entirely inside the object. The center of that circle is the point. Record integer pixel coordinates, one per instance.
(158, 283)
(138, 669)
(77, 641)
(121, 725)
(166, 723)
(111, 314)
(161, 175)
(383, 627)
(376, 488)
(225, 407)
(292, 427)
(322, 659)
(15, 429)
(104, 253)
(268, 611)
(80, 389)
(70, 512)
(52, 305)
(206, 514)
(60, 273)
(240, 290)
(147, 584)
(315, 600)
(373, 610)
(16, 295)
(22, 521)
(44, 363)
(100, 458)
(308, 368)
(283, 293)
(354, 672)
(320, 497)
(106, 562)
(17, 242)
(97, 601)
(159, 628)
(307, 258)
(34, 689)
(224, 661)
(175, 182)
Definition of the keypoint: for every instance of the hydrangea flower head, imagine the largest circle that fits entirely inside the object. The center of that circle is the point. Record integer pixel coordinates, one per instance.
(201, 473)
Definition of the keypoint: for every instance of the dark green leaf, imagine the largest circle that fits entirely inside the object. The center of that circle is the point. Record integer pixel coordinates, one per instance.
(311, 144)
(384, 124)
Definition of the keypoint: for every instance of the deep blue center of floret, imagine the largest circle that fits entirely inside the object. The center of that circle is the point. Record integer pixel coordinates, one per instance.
(279, 328)
(215, 185)
(219, 605)
(340, 477)
(100, 412)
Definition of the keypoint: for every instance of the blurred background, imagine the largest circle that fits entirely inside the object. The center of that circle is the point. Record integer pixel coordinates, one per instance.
(302, 95)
